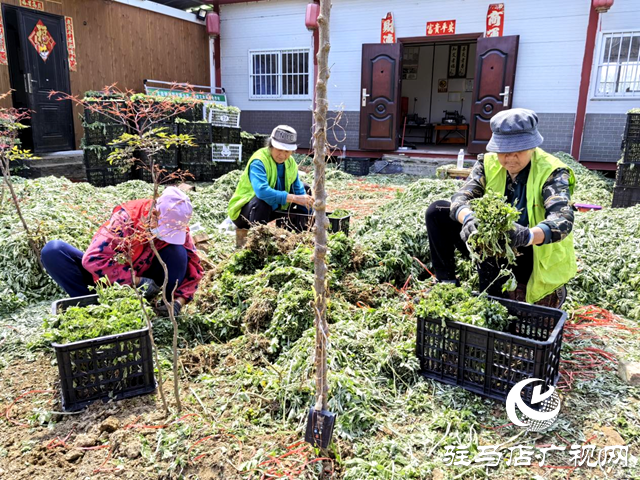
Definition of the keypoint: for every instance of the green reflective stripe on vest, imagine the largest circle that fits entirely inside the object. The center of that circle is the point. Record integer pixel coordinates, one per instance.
(554, 264)
(244, 191)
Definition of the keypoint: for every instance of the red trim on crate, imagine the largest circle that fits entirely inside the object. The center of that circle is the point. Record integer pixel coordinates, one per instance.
(606, 166)
(583, 97)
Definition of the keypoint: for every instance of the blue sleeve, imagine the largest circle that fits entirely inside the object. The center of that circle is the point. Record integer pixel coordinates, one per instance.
(547, 233)
(298, 187)
(258, 178)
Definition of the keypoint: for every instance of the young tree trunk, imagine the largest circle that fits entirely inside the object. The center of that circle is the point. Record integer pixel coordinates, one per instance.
(7, 180)
(154, 347)
(320, 195)
(174, 347)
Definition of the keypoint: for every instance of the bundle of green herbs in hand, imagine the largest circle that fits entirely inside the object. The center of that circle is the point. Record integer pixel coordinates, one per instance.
(117, 311)
(494, 220)
(445, 301)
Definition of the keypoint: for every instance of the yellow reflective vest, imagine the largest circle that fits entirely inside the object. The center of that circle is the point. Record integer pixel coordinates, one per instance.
(554, 264)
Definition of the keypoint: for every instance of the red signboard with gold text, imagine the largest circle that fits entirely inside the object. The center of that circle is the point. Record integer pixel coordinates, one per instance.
(71, 44)
(387, 30)
(3, 47)
(495, 20)
(445, 27)
(35, 4)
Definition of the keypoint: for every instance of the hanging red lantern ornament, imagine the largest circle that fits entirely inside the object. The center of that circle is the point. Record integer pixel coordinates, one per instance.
(602, 6)
(311, 16)
(213, 24)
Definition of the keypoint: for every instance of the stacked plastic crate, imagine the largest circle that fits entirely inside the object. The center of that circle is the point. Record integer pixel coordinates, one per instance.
(168, 161)
(101, 130)
(626, 192)
(218, 147)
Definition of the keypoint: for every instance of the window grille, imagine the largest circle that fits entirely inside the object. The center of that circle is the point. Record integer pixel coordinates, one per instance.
(279, 74)
(618, 74)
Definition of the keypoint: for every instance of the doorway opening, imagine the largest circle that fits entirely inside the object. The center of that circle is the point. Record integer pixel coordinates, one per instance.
(38, 64)
(436, 94)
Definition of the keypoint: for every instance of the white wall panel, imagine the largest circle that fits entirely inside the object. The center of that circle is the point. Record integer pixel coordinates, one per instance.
(552, 39)
(624, 16)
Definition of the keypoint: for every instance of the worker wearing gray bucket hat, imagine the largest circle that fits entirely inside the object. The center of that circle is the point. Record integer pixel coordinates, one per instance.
(514, 130)
(539, 185)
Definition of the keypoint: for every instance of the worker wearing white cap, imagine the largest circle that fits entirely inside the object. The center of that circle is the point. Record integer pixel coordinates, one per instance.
(269, 183)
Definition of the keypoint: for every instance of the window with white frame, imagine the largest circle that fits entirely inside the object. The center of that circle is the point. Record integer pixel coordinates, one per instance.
(618, 74)
(279, 74)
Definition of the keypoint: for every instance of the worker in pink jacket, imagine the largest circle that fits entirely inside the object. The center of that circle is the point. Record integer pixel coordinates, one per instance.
(123, 243)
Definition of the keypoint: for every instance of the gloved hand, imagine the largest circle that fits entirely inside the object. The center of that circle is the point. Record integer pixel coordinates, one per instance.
(520, 236)
(468, 227)
(161, 309)
(151, 289)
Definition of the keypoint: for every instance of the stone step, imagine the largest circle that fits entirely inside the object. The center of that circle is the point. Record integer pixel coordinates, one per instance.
(425, 167)
(68, 164)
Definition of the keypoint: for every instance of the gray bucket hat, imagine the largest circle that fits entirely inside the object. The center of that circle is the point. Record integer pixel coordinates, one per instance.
(514, 130)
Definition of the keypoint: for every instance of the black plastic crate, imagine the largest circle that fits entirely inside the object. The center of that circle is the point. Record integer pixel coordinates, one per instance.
(197, 161)
(107, 176)
(167, 160)
(631, 139)
(104, 368)
(168, 128)
(248, 148)
(489, 362)
(625, 197)
(260, 141)
(97, 156)
(200, 154)
(632, 128)
(102, 134)
(356, 166)
(302, 221)
(193, 114)
(109, 118)
(200, 131)
(207, 172)
(628, 175)
(225, 135)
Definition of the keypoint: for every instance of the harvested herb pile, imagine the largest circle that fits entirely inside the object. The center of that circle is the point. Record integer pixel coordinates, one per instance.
(447, 302)
(396, 232)
(607, 243)
(58, 209)
(117, 311)
(494, 220)
(253, 377)
(591, 187)
(266, 288)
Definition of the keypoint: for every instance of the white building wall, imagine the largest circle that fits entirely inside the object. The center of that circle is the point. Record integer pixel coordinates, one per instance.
(624, 16)
(259, 25)
(552, 40)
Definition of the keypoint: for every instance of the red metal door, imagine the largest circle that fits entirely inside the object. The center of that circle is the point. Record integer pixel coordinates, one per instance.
(493, 92)
(379, 96)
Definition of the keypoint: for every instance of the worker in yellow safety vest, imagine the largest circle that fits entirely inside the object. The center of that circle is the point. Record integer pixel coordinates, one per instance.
(540, 186)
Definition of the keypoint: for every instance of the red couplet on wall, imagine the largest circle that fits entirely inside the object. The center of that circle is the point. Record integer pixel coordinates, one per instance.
(71, 44)
(444, 27)
(3, 47)
(495, 20)
(388, 30)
